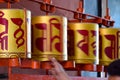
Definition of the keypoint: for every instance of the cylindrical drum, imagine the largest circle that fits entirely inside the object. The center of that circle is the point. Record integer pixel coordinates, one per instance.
(83, 42)
(49, 37)
(109, 45)
(14, 28)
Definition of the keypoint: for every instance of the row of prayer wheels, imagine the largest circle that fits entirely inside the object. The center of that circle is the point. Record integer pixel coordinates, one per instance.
(38, 37)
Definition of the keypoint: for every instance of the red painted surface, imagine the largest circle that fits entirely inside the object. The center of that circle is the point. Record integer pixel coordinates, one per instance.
(26, 63)
(47, 77)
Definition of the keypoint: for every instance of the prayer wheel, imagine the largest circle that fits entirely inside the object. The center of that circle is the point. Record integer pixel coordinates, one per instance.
(14, 33)
(83, 41)
(109, 45)
(49, 37)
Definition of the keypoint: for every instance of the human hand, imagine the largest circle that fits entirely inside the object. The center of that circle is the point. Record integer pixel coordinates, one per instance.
(57, 70)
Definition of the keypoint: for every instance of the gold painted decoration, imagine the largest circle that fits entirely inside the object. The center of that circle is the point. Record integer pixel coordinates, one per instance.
(49, 34)
(83, 41)
(13, 33)
(109, 45)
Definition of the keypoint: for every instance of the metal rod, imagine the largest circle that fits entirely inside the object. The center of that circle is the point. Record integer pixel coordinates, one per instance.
(63, 8)
(100, 19)
(9, 4)
(106, 3)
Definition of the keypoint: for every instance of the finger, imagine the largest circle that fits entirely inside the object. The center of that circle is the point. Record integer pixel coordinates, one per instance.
(53, 60)
(56, 64)
(52, 71)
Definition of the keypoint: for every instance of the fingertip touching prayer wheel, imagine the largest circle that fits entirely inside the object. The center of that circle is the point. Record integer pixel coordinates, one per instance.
(83, 41)
(14, 28)
(49, 37)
